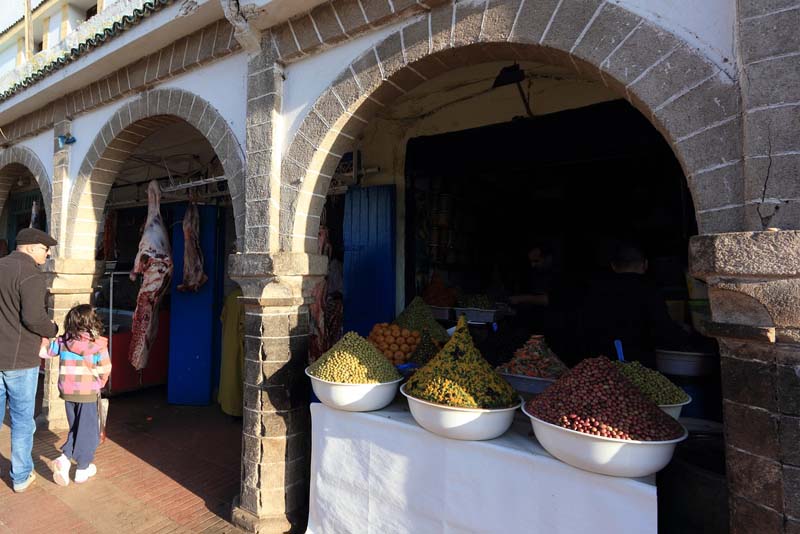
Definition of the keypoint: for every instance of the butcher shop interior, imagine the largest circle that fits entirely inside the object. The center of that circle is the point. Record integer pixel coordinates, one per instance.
(170, 309)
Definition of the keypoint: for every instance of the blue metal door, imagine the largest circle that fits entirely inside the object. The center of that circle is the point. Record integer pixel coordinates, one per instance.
(194, 318)
(369, 257)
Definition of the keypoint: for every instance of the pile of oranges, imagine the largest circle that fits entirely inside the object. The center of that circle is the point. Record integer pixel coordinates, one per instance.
(396, 343)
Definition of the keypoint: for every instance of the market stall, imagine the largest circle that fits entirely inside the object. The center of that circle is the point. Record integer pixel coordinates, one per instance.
(541, 243)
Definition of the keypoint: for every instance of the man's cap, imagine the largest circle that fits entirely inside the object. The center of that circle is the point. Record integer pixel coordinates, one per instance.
(32, 236)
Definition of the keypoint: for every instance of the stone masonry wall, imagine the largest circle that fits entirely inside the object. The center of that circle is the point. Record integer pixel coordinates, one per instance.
(769, 64)
(755, 298)
(691, 101)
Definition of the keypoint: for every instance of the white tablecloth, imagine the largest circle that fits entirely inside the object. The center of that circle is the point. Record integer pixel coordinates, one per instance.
(380, 473)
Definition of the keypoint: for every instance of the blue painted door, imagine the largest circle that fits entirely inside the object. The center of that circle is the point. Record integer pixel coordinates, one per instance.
(369, 257)
(194, 317)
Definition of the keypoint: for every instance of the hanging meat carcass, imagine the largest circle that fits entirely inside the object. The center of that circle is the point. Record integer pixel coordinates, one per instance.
(154, 263)
(193, 275)
(108, 251)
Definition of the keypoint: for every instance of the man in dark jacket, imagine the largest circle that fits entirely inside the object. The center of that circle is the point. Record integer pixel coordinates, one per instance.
(625, 305)
(23, 324)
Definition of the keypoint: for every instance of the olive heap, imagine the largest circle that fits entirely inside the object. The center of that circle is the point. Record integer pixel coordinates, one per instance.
(534, 359)
(353, 360)
(426, 349)
(459, 376)
(478, 301)
(396, 343)
(594, 398)
(653, 384)
(418, 316)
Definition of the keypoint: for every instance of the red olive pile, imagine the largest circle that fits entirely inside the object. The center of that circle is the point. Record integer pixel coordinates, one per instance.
(594, 398)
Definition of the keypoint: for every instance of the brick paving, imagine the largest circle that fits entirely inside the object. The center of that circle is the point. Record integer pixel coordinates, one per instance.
(162, 469)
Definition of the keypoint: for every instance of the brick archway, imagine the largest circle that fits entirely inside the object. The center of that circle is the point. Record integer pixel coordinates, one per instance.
(27, 158)
(691, 101)
(129, 126)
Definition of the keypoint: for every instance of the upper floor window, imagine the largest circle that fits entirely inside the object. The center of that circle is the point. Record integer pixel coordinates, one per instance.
(91, 12)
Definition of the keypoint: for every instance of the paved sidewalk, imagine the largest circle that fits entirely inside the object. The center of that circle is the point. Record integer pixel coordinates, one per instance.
(162, 469)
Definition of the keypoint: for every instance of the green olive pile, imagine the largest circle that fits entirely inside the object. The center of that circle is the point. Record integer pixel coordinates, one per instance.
(653, 384)
(459, 376)
(353, 360)
(594, 398)
(418, 316)
(480, 302)
(425, 351)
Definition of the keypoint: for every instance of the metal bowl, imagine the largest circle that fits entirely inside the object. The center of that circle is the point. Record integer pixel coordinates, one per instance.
(470, 424)
(607, 456)
(354, 397)
(678, 363)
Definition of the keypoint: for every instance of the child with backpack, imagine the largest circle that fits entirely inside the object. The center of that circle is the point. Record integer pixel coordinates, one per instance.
(84, 368)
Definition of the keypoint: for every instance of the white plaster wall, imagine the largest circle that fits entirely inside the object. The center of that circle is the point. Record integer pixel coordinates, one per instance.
(223, 84)
(42, 146)
(74, 17)
(85, 128)
(707, 24)
(54, 29)
(8, 58)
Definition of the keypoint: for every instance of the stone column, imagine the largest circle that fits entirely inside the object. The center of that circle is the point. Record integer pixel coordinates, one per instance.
(769, 52)
(70, 282)
(275, 448)
(62, 126)
(754, 290)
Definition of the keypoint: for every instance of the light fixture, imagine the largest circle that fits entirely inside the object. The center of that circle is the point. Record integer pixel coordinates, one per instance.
(513, 75)
(65, 140)
(509, 75)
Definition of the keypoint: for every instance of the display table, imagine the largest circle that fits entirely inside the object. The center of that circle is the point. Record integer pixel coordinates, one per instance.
(379, 472)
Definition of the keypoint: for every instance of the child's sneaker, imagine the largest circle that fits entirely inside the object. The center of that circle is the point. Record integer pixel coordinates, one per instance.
(61, 470)
(82, 475)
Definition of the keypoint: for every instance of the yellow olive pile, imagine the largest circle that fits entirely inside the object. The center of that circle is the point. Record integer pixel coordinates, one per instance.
(594, 398)
(353, 360)
(459, 376)
(396, 343)
(418, 316)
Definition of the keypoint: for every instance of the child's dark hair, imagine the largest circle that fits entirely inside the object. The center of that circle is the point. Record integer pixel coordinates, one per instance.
(81, 320)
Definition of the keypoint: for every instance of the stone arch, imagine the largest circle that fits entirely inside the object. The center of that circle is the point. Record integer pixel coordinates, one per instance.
(689, 99)
(130, 125)
(27, 158)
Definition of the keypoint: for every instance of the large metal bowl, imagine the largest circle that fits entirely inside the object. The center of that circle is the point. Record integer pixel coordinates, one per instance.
(470, 424)
(674, 410)
(607, 456)
(527, 384)
(678, 363)
(354, 397)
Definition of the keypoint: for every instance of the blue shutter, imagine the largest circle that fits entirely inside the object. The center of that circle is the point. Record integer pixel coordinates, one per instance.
(369, 257)
(194, 317)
